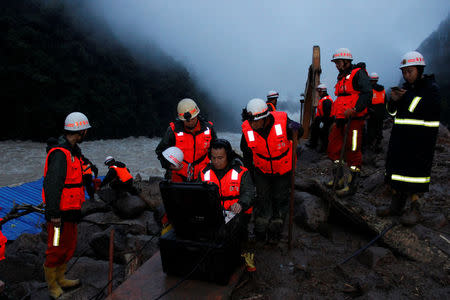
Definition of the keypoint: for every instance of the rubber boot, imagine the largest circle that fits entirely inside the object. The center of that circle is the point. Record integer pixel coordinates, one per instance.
(395, 208)
(249, 258)
(336, 172)
(62, 280)
(350, 187)
(54, 289)
(413, 215)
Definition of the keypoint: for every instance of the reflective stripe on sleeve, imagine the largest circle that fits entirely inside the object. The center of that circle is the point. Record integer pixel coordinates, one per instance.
(391, 113)
(414, 103)
(416, 122)
(410, 179)
(354, 140)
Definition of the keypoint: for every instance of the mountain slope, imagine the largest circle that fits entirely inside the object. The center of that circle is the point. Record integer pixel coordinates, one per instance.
(50, 67)
(436, 50)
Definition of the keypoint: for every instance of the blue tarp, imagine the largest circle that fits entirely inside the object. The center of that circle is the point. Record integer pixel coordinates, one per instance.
(27, 193)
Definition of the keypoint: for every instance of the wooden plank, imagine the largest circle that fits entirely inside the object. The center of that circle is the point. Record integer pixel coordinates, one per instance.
(404, 240)
(310, 90)
(149, 281)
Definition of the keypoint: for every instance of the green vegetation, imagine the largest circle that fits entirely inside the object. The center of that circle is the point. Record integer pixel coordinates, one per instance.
(50, 67)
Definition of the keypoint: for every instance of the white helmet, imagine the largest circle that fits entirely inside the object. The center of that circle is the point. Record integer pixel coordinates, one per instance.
(108, 159)
(257, 108)
(272, 94)
(76, 121)
(342, 53)
(174, 155)
(412, 58)
(187, 109)
(322, 87)
(373, 76)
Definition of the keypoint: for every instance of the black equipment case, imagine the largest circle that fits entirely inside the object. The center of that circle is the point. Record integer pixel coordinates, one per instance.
(212, 261)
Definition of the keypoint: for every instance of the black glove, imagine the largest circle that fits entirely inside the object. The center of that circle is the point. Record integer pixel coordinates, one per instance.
(94, 170)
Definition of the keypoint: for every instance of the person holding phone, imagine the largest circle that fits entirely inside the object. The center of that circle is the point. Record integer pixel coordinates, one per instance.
(416, 111)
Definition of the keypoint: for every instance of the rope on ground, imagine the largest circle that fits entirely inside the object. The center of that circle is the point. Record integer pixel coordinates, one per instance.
(359, 251)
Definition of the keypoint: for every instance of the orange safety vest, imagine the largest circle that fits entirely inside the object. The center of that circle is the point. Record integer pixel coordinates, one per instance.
(274, 154)
(229, 186)
(319, 112)
(195, 150)
(72, 195)
(123, 174)
(347, 96)
(3, 241)
(378, 97)
(86, 168)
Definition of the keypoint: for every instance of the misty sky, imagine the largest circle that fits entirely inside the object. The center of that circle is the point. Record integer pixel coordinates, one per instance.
(241, 49)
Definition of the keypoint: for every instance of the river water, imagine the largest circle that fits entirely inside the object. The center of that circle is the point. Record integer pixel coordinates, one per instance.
(23, 161)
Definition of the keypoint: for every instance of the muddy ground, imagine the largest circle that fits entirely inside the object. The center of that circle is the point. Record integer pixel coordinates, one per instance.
(312, 269)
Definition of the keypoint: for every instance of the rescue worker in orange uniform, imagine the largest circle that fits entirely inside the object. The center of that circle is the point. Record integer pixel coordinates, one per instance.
(235, 184)
(63, 195)
(193, 135)
(266, 145)
(376, 112)
(354, 93)
(118, 177)
(322, 121)
(272, 100)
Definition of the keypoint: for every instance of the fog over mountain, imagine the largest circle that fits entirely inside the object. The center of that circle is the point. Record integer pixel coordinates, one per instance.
(239, 50)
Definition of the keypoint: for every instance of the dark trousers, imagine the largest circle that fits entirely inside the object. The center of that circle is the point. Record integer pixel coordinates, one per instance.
(375, 125)
(88, 185)
(318, 133)
(272, 202)
(122, 187)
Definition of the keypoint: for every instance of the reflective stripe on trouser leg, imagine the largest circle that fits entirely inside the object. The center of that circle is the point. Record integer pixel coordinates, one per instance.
(354, 140)
(353, 155)
(410, 179)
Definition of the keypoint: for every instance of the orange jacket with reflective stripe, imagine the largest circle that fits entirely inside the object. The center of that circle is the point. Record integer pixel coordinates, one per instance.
(319, 112)
(378, 97)
(123, 174)
(229, 186)
(274, 154)
(195, 149)
(347, 96)
(72, 195)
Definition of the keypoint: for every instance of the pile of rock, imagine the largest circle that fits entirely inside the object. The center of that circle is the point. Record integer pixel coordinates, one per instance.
(135, 241)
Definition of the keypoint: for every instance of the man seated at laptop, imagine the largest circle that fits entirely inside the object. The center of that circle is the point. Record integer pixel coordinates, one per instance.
(236, 188)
